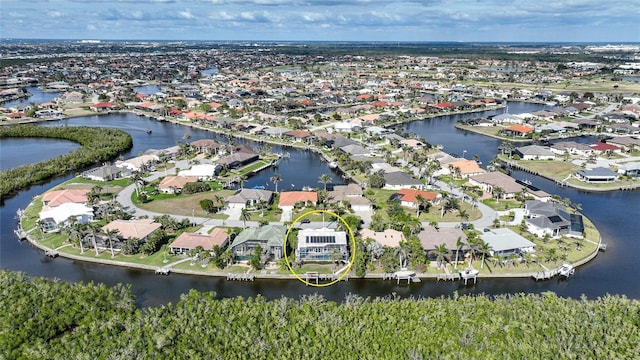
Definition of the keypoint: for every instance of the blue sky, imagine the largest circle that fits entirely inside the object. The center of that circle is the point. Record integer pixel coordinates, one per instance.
(328, 20)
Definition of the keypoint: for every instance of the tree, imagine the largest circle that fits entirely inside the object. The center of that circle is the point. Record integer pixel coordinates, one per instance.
(255, 260)
(94, 230)
(459, 244)
(464, 215)
(275, 179)
(485, 248)
(498, 192)
(245, 216)
(421, 203)
(207, 205)
(376, 180)
(111, 235)
(441, 253)
(335, 256)
(325, 179)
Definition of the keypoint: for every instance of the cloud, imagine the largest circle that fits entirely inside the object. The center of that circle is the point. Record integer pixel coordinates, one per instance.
(186, 14)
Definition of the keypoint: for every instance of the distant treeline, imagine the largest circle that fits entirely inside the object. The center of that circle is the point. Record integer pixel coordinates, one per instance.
(97, 145)
(43, 319)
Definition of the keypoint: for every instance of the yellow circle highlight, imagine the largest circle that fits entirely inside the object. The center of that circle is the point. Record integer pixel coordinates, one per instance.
(353, 247)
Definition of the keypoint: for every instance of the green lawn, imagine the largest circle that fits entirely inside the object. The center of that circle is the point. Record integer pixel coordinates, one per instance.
(502, 204)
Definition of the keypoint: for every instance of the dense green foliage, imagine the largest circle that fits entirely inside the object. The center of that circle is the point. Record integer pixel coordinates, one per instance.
(43, 319)
(97, 145)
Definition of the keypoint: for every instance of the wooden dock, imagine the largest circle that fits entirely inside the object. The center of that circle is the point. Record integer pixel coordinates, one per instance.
(163, 271)
(241, 277)
(545, 275)
(447, 277)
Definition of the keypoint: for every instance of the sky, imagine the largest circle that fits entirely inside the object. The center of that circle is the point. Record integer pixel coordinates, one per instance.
(611, 21)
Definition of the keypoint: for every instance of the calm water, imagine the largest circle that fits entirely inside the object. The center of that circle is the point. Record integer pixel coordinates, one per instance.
(613, 272)
(15, 152)
(37, 97)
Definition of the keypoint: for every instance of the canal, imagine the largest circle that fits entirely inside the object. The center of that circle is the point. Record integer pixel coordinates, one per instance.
(613, 272)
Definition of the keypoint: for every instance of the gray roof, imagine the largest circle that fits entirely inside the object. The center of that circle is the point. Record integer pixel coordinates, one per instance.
(534, 150)
(244, 195)
(598, 172)
(272, 235)
(430, 238)
(400, 178)
(355, 150)
(503, 239)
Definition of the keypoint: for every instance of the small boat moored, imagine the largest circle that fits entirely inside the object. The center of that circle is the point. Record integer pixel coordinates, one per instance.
(566, 270)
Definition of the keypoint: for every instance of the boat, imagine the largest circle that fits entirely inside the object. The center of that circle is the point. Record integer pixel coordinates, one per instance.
(526, 181)
(566, 270)
(259, 187)
(148, 131)
(333, 165)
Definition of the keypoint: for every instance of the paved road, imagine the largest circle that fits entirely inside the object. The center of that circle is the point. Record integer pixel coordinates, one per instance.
(124, 198)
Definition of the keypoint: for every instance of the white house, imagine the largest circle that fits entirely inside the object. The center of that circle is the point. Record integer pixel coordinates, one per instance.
(203, 172)
(321, 244)
(505, 242)
(57, 217)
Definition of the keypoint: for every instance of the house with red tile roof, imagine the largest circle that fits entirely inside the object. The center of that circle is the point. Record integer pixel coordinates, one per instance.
(174, 184)
(298, 135)
(103, 106)
(409, 197)
(136, 228)
(288, 199)
(189, 241)
(517, 130)
(58, 197)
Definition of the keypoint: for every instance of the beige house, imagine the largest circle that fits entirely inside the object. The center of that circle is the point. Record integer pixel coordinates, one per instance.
(136, 228)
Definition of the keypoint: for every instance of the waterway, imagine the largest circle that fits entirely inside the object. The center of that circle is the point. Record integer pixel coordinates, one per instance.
(15, 152)
(613, 272)
(37, 97)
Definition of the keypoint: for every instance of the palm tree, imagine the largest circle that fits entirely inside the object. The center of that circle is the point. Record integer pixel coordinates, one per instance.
(94, 229)
(420, 201)
(484, 249)
(459, 244)
(498, 192)
(219, 201)
(324, 179)
(434, 224)
(403, 254)
(136, 178)
(275, 179)
(441, 252)
(464, 215)
(112, 234)
(245, 216)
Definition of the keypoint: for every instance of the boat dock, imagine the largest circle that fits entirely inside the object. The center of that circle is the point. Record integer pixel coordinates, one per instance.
(241, 277)
(163, 271)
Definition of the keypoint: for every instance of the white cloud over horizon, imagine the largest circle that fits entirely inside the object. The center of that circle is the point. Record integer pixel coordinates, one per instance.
(329, 20)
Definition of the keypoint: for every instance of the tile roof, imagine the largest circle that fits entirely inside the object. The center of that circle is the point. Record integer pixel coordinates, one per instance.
(137, 228)
(59, 197)
(290, 198)
(192, 240)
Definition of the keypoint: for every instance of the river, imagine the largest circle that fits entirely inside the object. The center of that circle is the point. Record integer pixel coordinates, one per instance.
(613, 272)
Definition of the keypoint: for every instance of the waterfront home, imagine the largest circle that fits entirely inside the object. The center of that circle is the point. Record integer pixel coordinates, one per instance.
(494, 179)
(56, 198)
(571, 148)
(626, 143)
(237, 159)
(298, 135)
(189, 241)
(269, 237)
(175, 184)
(207, 146)
(388, 237)
(248, 198)
(534, 152)
(321, 245)
(504, 242)
(135, 228)
(603, 148)
(400, 180)
(544, 218)
(461, 168)
(101, 107)
(106, 173)
(630, 169)
(355, 149)
(517, 130)
(597, 175)
(139, 163)
(432, 237)
(55, 218)
(506, 118)
(289, 199)
(409, 197)
(202, 172)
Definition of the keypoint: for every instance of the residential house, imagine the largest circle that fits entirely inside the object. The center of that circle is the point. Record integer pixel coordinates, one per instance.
(630, 169)
(321, 244)
(189, 241)
(409, 197)
(139, 163)
(55, 218)
(571, 148)
(494, 179)
(534, 152)
(626, 143)
(355, 149)
(518, 130)
(247, 198)
(432, 237)
(400, 180)
(208, 146)
(462, 168)
(597, 175)
(269, 237)
(175, 184)
(288, 199)
(544, 218)
(506, 118)
(55, 198)
(202, 172)
(106, 173)
(298, 135)
(135, 228)
(238, 159)
(504, 242)
(388, 237)
(352, 194)
(603, 148)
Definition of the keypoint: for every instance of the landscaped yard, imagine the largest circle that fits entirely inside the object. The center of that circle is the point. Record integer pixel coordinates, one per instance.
(186, 205)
